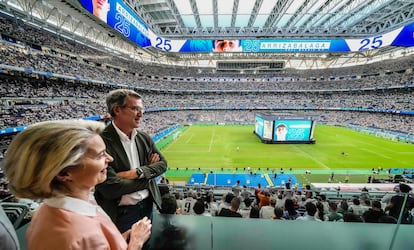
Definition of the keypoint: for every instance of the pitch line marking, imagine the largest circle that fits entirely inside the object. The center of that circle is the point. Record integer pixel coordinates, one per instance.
(375, 153)
(404, 162)
(189, 139)
(167, 147)
(211, 140)
(312, 158)
(375, 146)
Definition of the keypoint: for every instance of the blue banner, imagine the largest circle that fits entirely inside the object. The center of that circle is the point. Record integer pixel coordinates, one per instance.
(119, 16)
(294, 46)
(12, 130)
(405, 37)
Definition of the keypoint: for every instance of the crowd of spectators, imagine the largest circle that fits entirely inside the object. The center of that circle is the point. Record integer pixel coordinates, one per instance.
(26, 100)
(291, 204)
(393, 99)
(183, 95)
(22, 32)
(187, 95)
(82, 68)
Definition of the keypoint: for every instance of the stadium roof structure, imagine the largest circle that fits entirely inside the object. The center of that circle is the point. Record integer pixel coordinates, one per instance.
(229, 19)
(273, 18)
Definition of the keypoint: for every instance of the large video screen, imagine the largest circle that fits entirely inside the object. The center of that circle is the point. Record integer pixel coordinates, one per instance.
(119, 16)
(267, 130)
(259, 126)
(282, 128)
(292, 130)
(122, 18)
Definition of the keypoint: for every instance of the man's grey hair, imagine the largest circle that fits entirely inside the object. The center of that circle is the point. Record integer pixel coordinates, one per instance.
(118, 97)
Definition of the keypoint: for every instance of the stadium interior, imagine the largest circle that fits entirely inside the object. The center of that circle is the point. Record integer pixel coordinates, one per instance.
(58, 61)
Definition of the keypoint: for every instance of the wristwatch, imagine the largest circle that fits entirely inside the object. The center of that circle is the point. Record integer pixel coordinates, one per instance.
(139, 172)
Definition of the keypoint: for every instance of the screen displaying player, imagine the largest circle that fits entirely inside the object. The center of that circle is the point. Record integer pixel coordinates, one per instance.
(100, 9)
(292, 130)
(227, 46)
(281, 131)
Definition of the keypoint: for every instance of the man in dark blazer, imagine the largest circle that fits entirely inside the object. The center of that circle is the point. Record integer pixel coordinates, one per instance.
(130, 189)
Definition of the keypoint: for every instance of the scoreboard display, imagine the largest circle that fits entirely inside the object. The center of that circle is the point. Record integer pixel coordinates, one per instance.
(272, 128)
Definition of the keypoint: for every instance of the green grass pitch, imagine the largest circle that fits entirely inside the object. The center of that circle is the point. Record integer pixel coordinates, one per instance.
(215, 147)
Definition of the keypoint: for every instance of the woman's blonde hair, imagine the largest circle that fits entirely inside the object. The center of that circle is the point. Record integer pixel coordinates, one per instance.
(40, 152)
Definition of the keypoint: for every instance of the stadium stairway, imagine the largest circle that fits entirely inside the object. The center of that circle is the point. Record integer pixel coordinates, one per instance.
(269, 180)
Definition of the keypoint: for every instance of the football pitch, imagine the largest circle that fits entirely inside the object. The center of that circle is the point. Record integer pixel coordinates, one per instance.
(215, 147)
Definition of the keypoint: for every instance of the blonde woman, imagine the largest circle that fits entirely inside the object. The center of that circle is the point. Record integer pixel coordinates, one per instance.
(61, 162)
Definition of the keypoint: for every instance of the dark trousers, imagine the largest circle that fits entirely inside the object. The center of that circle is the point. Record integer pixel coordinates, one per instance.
(128, 215)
